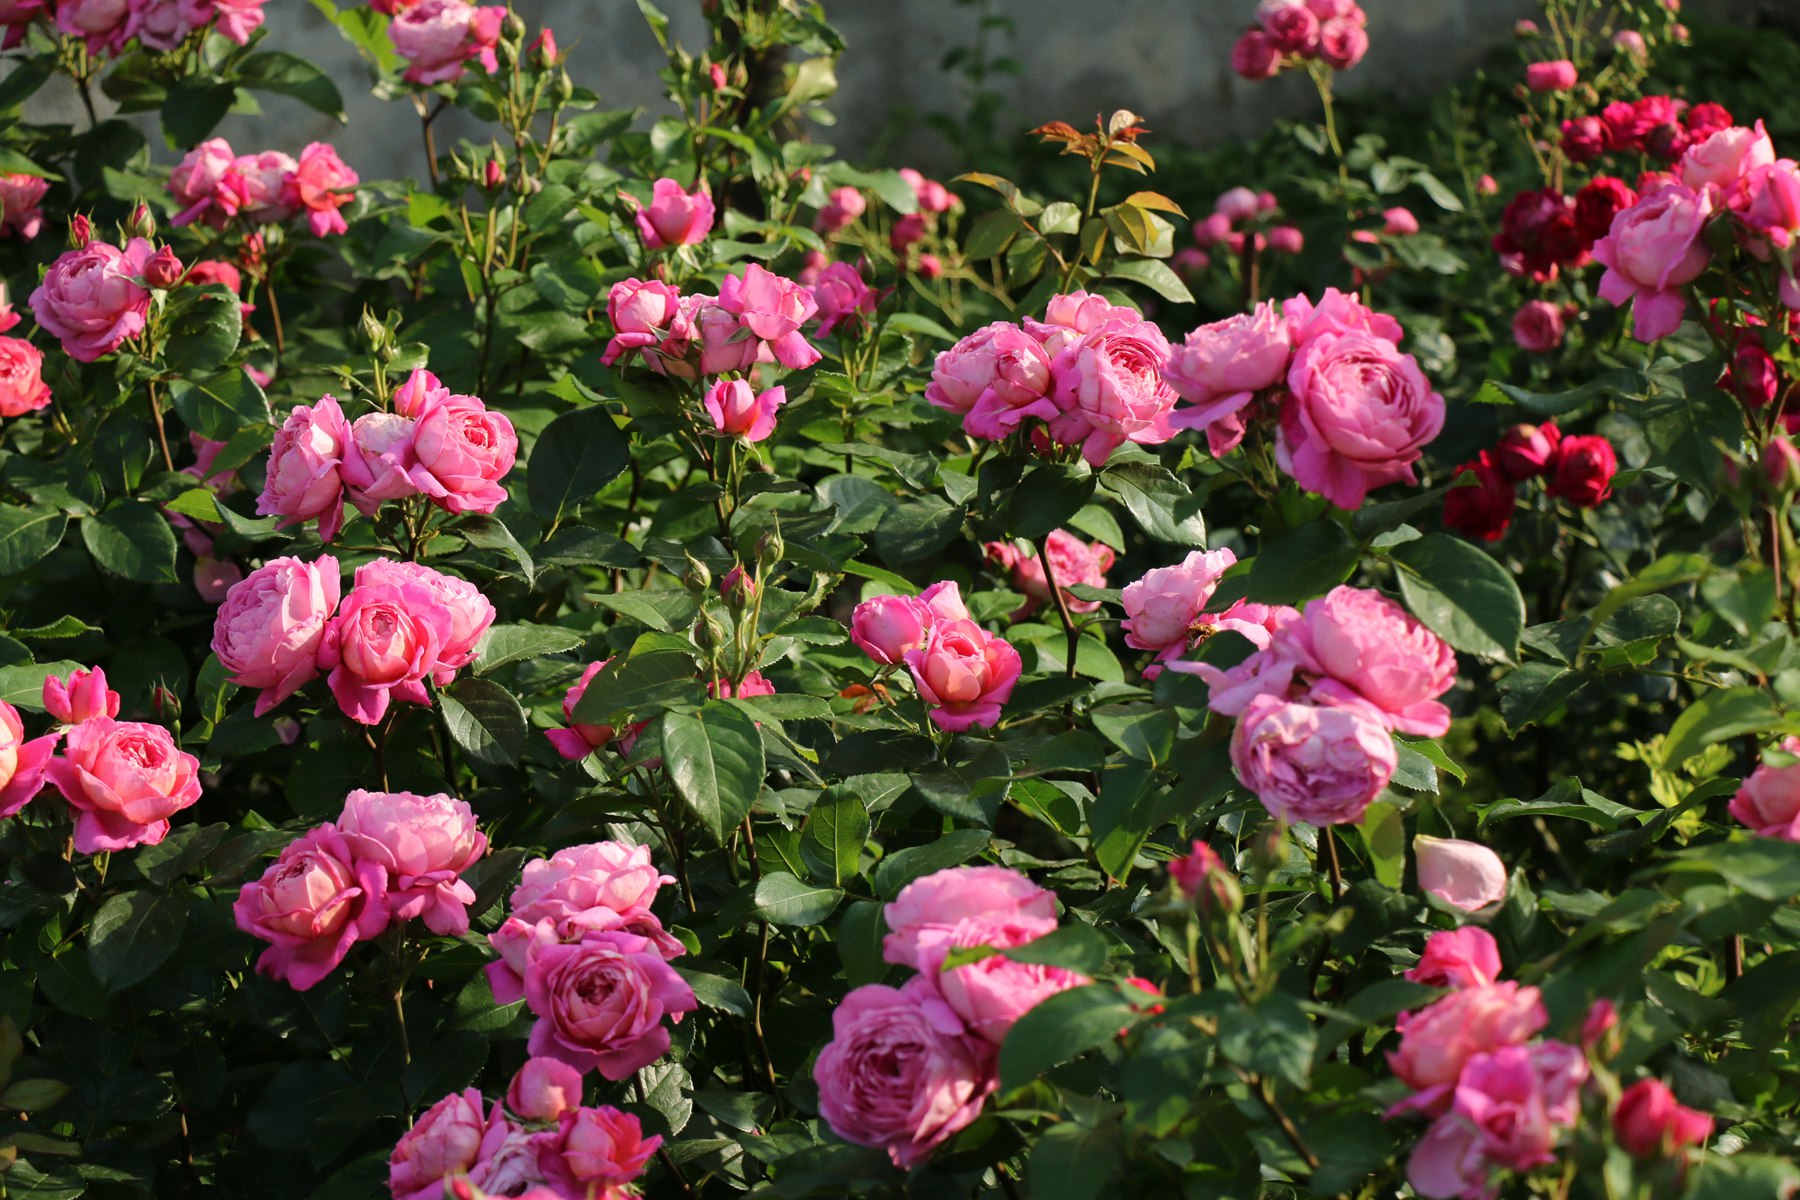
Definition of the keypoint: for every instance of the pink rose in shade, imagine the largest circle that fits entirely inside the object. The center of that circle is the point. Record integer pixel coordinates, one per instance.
(841, 209)
(207, 185)
(675, 216)
(994, 992)
(1458, 958)
(320, 184)
(1724, 158)
(270, 629)
(378, 466)
(461, 451)
(1537, 326)
(381, 645)
(22, 386)
(104, 25)
(1584, 138)
(1239, 203)
(1767, 203)
(933, 197)
(1582, 471)
(1342, 43)
(1255, 57)
(469, 612)
(1212, 229)
(774, 309)
(544, 1089)
(1108, 388)
(304, 480)
(1602, 1018)
(1291, 26)
(94, 298)
(1525, 451)
(214, 578)
(1399, 222)
(311, 905)
(1751, 374)
(446, 1142)
(19, 213)
(1557, 75)
(1321, 765)
(594, 1151)
(928, 266)
(1207, 881)
(1483, 510)
(125, 779)
(753, 684)
(1465, 875)
(644, 314)
(22, 762)
(843, 298)
(929, 909)
(1071, 559)
(1781, 463)
(1219, 368)
(264, 179)
(15, 17)
(1190, 262)
(1286, 239)
(438, 38)
(1651, 1123)
(996, 377)
(1652, 250)
(887, 627)
(600, 1002)
(964, 674)
(1363, 646)
(1438, 1040)
(235, 20)
(1336, 312)
(1162, 607)
(1360, 413)
(739, 411)
(83, 696)
(907, 232)
(1768, 803)
(900, 1073)
(424, 844)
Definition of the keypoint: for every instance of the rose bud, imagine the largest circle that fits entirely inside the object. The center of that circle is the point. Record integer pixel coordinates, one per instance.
(1650, 1123)
(1462, 874)
(1204, 879)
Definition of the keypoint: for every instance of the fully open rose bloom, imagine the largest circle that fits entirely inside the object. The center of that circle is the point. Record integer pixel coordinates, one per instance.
(438, 38)
(996, 378)
(1320, 764)
(675, 216)
(22, 762)
(270, 628)
(1651, 1123)
(595, 1150)
(737, 410)
(1465, 875)
(207, 185)
(1162, 607)
(1724, 158)
(1509, 1106)
(93, 298)
(1369, 648)
(900, 1073)
(312, 904)
(600, 1002)
(321, 184)
(1768, 803)
(423, 844)
(887, 627)
(1653, 249)
(22, 386)
(460, 448)
(450, 1139)
(265, 178)
(382, 644)
(1436, 1041)
(774, 309)
(1220, 367)
(124, 779)
(1109, 389)
(304, 480)
(378, 465)
(1458, 958)
(469, 612)
(928, 910)
(964, 674)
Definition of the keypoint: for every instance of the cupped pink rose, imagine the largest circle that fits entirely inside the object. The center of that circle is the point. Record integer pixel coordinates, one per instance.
(1448, 1163)
(22, 386)
(1458, 958)
(933, 197)
(887, 627)
(1367, 647)
(584, 887)
(1557, 75)
(207, 185)
(991, 994)
(944, 599)
(104, 25)
(444, 1143)
(94, 298)
(469, 612)
(844, 297)
(1725, 158)
(20, 215)
(1072, 561)
(1311, 763)
(840, 210)
(544, 1089)
(22, 761)
(996, 378)
(1220, 367)
(1767, 203)
(1212, 229)
(304, 479)
(716, 342)
(1507, 1097)
(1399, 222)
(594, 1151)
(1161, 608)
(600, 1002)
(438, 38)
(461, 452)
(1768, 803)
(1108, 388)
(1438, 1040)
(1651, 1123)
(1070, 316)
(377, 467)
(675, 216)
(381, 645)
(1537, 326)
(1336, 312)
(1653, 249)
(1360, 413)
(320, 185)
(644, 314)
(774, 309)
(233, 19)
(311, 905)
(1343, 41)
(424, 844)
(964, 674)
(1255, 57)
(738, 410)
(929, 909)
(1465, 875)
(124, 779)
(264, 178)
(1287, 239)
(900, 1073)
(83, 695)
(270, 628)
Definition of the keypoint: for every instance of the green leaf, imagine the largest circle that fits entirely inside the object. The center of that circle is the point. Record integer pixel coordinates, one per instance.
(194, 109)
(1462, 595)
(485, 719)
(1302, 563)
(992, 234)
(1045, 499)
(1716, 717)
(26, 536)
(133, 540)
(1274, 1038)
(832, 841)
(505, 644)
(133, 934)
(1073, 1162)
(204, 327)
(1154, 274)
(1066, 1025)
(220, 405)
(715, 760)
(289, 75)
(489, 533)
(903, 866)
(715, 991)
(784, 899)
(1161, 504)
(630, 684)
(23, 686)
(575, 456)
(917, 529)
(1073, 947)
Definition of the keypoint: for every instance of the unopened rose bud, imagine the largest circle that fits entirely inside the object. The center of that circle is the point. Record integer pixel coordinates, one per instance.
(738, 588)
(1781, 464)
(543, 49)
(709, 635)
(1525, 27)
(771, 546)
(494, 173)
(513, 28)
(142, 223)
(164, 270)
(930, 266)
(165, 702)
(1204, 879)
(698, 577)
(717, 73)
(81, 231)
(565, 87)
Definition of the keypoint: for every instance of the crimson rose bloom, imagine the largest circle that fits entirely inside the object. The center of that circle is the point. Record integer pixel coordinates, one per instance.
(1583, 470)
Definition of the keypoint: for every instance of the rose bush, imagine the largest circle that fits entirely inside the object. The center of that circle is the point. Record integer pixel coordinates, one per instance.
(653, 660)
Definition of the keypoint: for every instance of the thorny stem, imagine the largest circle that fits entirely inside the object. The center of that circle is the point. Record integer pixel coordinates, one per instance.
(426, 117)
(1062, 604)
(1331, 862)
(162, 434)
(274, 314)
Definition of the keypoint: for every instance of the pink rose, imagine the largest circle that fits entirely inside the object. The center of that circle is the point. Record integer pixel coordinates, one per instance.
(1515, 1097)
(907, 232)
(964, 674)
(842, 297)
(1368, 648)
(1768, 203)
(446, 1142)
(1360, 413)
(22, 386)
(1464, 875)
(270, 629)
(424, 844)
(753, 684)
(945, 601)
(1458, 958)
(722, 349)
(1653, 249)
(899, 1072)
(1342, 42)
(207, 185)
(1255, 57)
(1212, 229)
(469, 612)
(1071, 559)
(1651, 1123)
(544, 1089)
(1538, 326)
(94, 298)
(381, 645)
(933, 197)
(1109, 389)
(1290, 25)
(929, 909)
(1220, 367)
(1072, 315)
(321, 184)
(600, 1002)
(644, 315)
(1286, 239)
(594, 1151)
(774, 309)
(19, 197)
(1525, 451)
(125, 779)
(215, 577)
(1557, 75)
(105, 25)
(461, 451)
(739, 411)
(164, 270)
(1336, 312)
(264, 178)
(312, 904)
(1768, 803)
(304, 479)
(580, 739)
(437, 38)
(841, 209)
(888, 627)
(990, 995)
(996, 378)
(234, 19)
(1399, 222)
(1206, 880)
(22, 762)
(15, 17)
(1162, 607)
(1321, 765)
(674, 216)
(1438, 1040)
(1725, 158)
(84, 696)
(378, 466)
(1240, 203)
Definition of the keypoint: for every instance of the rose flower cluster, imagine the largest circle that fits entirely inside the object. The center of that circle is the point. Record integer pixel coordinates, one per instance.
(1072, 561)
(402, 623)
(389, 857)
(540, 1143)
(581, 947)
(962, 672)
(1316, 705)
(1289, 33)
(440, 38)
(214, 186)
(756, 318)
(1165, 611)
(908, 1067)
(1578, 469)
(109, 26)
(1236, 222)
